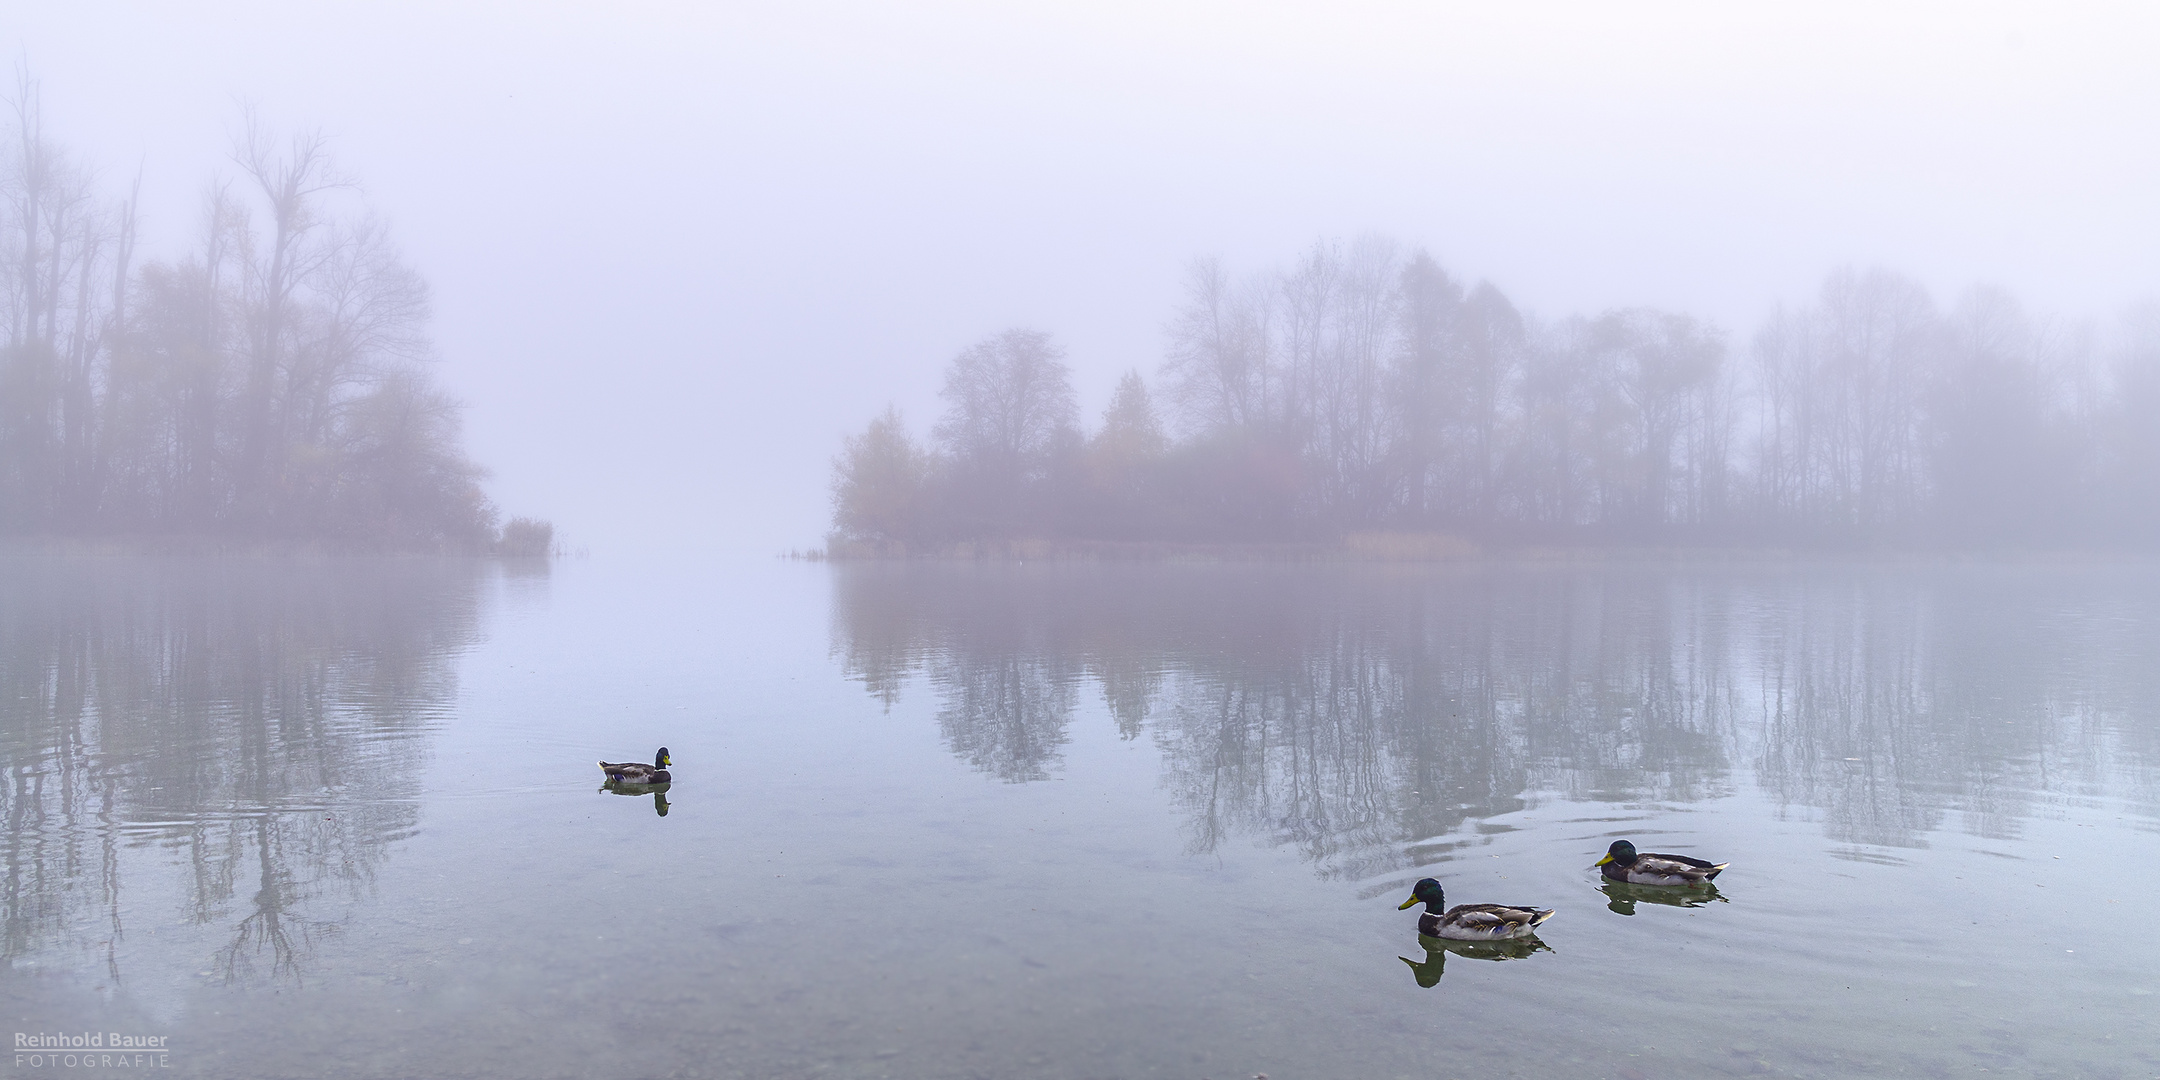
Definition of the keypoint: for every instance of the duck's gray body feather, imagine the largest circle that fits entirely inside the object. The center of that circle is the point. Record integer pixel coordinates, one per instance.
(1648, 869)
(1483, 922)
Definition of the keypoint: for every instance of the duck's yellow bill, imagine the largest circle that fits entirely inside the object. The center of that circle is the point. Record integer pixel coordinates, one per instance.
(1406, 903)
(1603, 861)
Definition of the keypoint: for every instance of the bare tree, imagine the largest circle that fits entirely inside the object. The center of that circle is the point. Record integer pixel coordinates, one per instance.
(269, 383)
(1842, 387)
(1494, 345)
(2003, 448)
(1353, 426)
(1309, 297)
(54, 316)
(1662, 365)
(1219, 369)
(1009, 408)
(1879, 336)
(1428, 311)
(1785, 419)
(291, 181)
(2129, 456)
(1550, 454)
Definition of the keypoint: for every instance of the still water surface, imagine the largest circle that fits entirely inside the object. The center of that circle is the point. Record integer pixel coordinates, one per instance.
(341, 818)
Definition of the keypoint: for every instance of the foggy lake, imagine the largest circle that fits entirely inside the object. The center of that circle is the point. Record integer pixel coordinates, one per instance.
(340, 817)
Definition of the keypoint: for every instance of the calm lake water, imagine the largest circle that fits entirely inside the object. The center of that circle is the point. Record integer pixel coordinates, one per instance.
(341, 818)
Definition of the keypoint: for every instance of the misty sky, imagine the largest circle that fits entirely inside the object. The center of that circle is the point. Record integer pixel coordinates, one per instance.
(679, 250)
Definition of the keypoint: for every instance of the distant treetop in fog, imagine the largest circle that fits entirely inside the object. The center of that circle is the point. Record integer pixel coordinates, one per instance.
(269, 384)
(1364, 389)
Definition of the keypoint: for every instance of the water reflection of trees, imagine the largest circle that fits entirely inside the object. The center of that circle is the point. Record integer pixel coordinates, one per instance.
(1900, 698)
(1366, 714)
(259, 725)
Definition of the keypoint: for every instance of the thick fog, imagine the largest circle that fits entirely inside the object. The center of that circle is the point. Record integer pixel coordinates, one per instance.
(678, 254)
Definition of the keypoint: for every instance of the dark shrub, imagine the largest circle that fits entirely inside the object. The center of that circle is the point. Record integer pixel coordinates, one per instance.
(526, 538)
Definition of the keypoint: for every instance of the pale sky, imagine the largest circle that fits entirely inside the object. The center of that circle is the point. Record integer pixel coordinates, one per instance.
(679, 250)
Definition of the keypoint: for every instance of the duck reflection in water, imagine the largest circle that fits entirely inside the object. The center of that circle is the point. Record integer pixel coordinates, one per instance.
(1622, 898)
(657, 791)
(1434, 965)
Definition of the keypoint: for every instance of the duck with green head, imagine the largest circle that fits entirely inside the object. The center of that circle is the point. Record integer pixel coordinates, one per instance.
(1471, 922)
(1622, 863)
(633, 772)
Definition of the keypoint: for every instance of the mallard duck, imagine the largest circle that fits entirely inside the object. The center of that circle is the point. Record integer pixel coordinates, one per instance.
(632, 772)
(1471, 922)
(1622, 863)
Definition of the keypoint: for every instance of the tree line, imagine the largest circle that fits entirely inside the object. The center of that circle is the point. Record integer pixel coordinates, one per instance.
(268, 384)
(1365, 388)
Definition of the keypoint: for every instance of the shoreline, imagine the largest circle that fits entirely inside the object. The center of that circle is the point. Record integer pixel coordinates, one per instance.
(1434, 549)
(196, 545)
